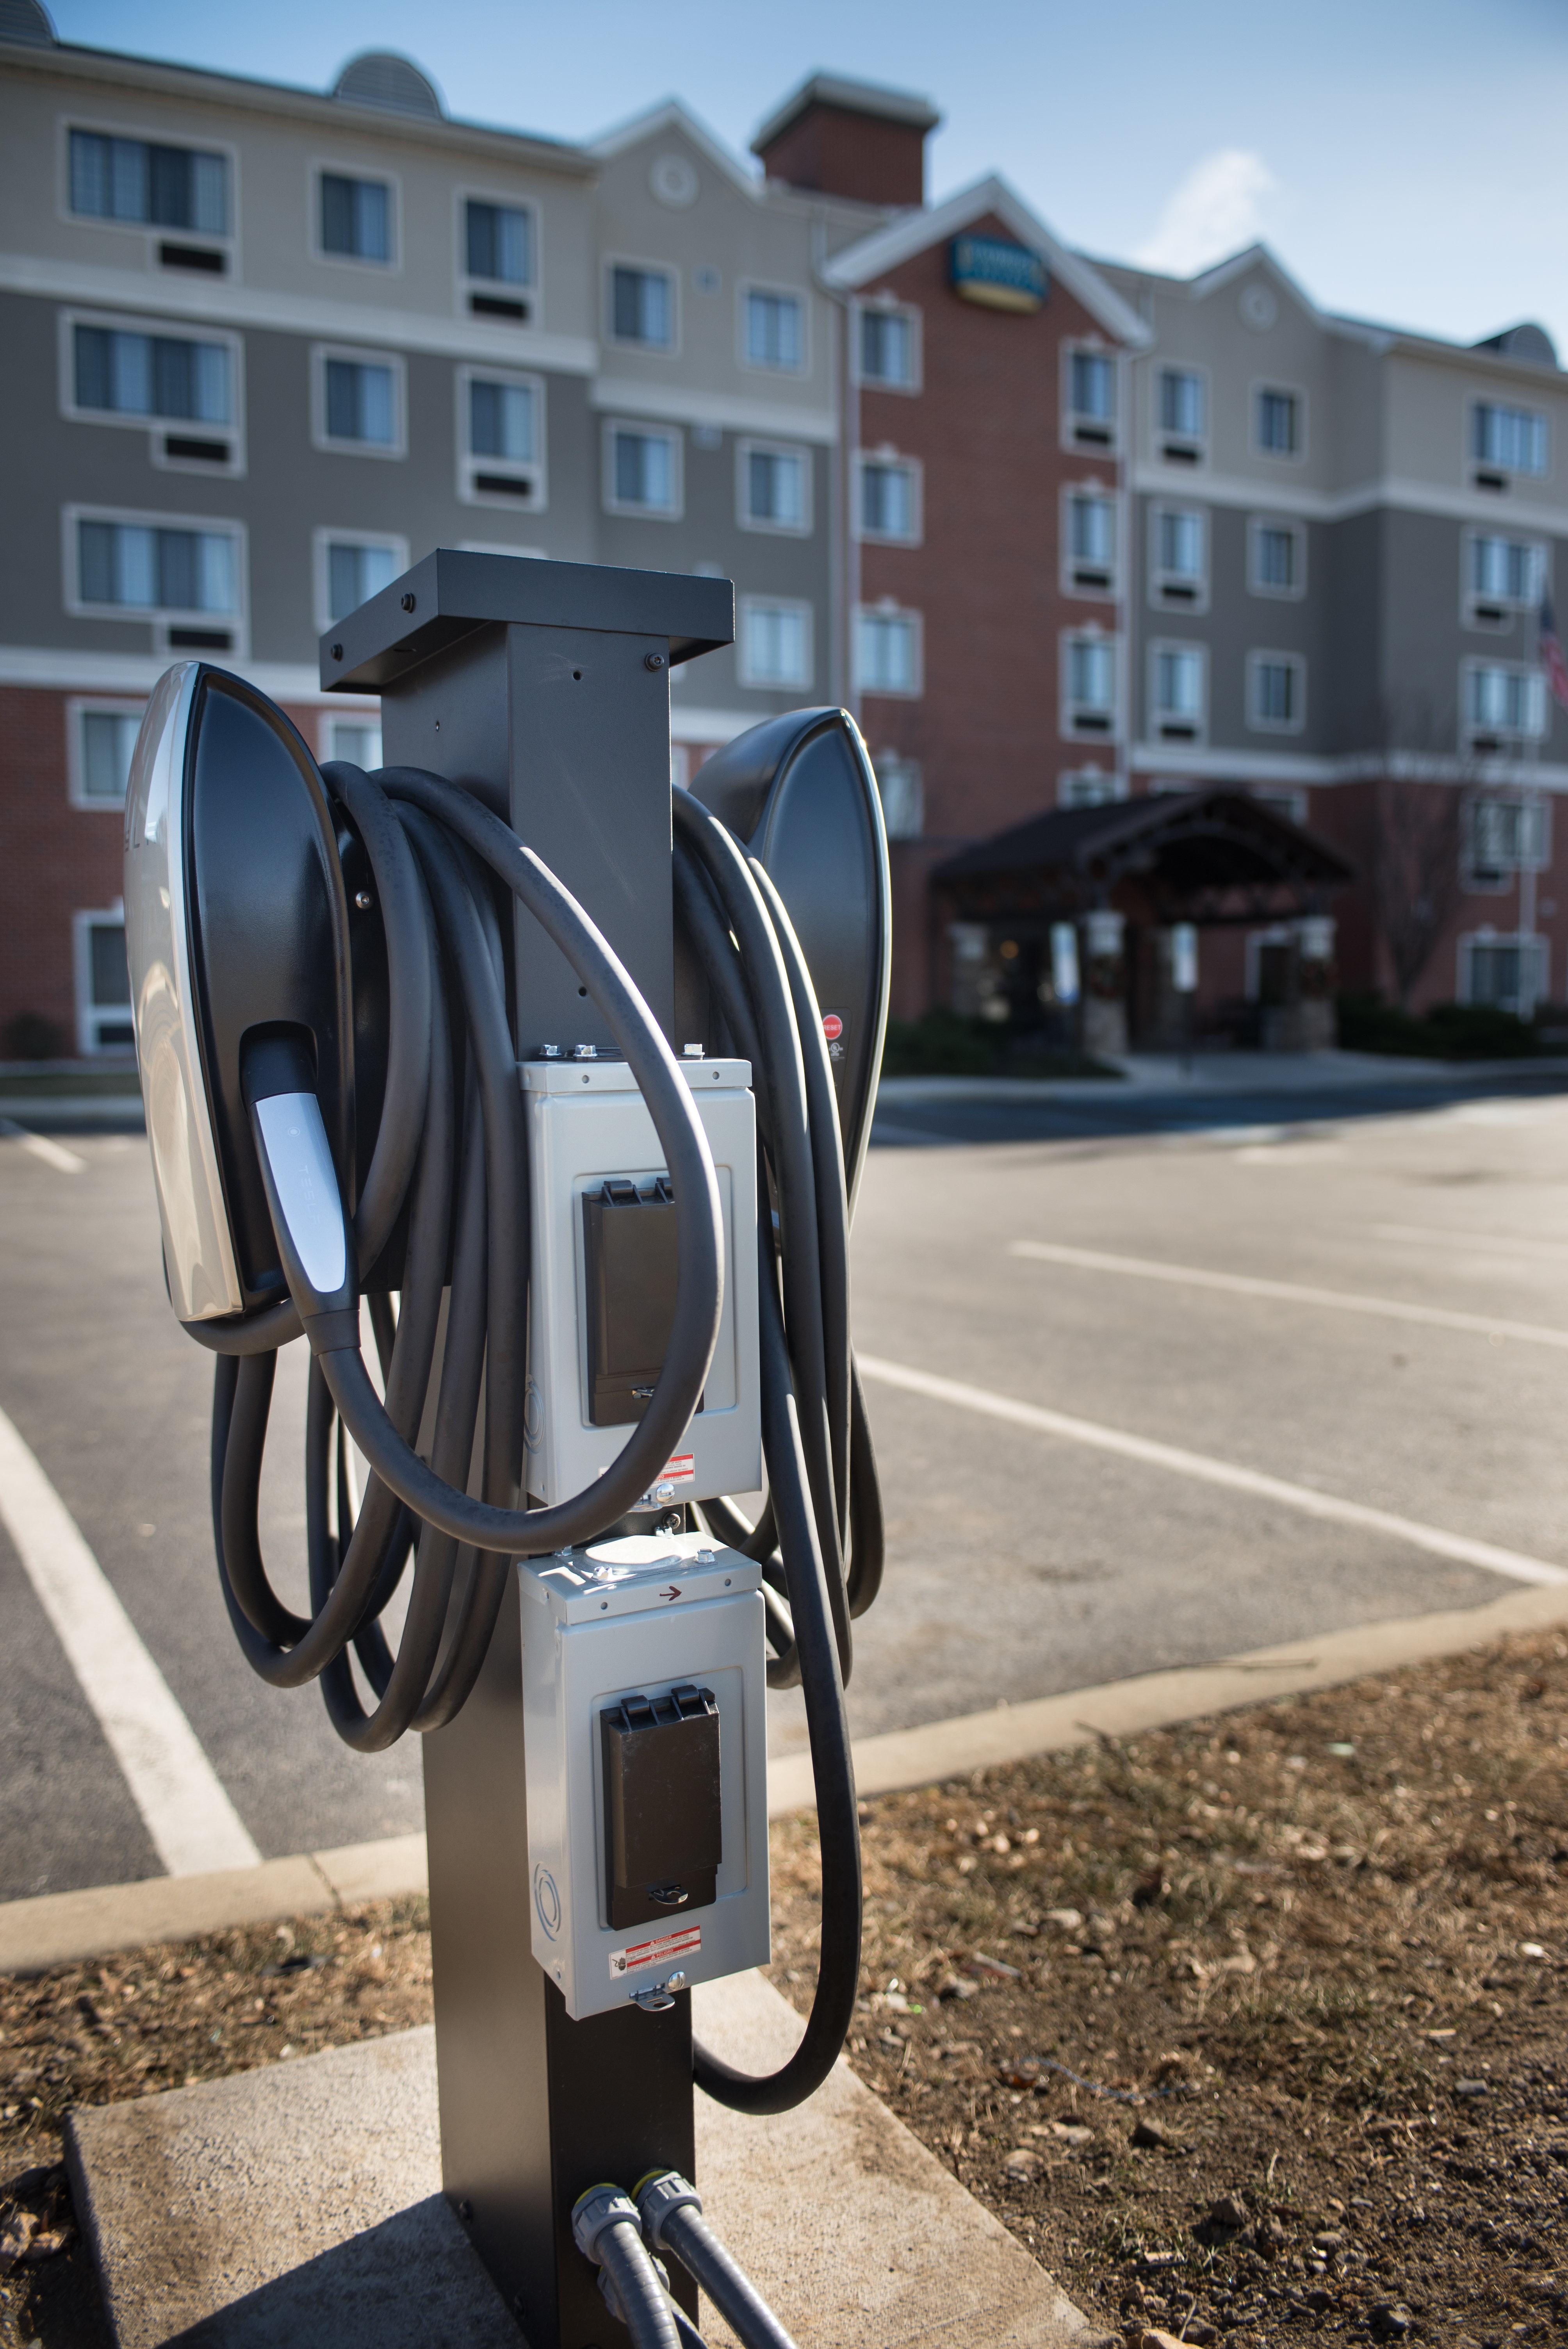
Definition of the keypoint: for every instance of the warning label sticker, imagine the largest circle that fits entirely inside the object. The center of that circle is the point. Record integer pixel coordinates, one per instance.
(681, 1470)
(662, 1952)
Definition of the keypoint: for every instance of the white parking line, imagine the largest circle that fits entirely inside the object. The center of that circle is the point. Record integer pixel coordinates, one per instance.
(1487, 1243)
(193, 1826)
(1206, 1471)
(38, 1145)
(1288, 1292)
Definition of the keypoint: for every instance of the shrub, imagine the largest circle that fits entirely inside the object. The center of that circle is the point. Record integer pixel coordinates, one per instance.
(1449, 1031)
(32, 1036)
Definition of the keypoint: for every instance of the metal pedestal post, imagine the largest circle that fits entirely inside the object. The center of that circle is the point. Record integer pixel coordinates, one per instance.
(545, 687)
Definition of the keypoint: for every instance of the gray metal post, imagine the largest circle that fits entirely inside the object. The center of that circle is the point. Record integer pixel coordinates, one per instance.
(545, 688)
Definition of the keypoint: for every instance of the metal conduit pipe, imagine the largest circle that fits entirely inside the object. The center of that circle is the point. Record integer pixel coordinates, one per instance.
(606, 2229)
(671, 2210)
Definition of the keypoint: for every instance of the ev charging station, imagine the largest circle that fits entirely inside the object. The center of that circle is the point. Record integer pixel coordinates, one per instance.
(565, 1078)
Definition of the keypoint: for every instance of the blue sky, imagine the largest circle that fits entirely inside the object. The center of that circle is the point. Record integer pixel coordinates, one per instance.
(1407, 158)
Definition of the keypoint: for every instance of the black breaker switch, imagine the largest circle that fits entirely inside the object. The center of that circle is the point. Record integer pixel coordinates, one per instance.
(662, 1829)
(630, 1260)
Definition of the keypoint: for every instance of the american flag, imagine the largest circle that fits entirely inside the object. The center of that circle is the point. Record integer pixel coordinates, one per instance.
(1550, 647)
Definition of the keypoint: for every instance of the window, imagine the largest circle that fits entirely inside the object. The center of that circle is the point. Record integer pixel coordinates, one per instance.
(1503, 699)
(775, 647)
(151, 186)
(1089, 684)
(357, 569)
(1277, 692)
(359, 403)
(1508, 440)
(774, 333)
(1505, 836)
(1178, 681)
(503, 452)
(358, 740)
(890, 500)
(1278, 415)
(1088, 787)
(103, 984)
(642, 308)
(1510, 972)
(1179, 556)
(1091, 540)
(101, 739)
(1276, 558)
(888, 349)
(1181, 408)
(774, 488)
(641, 471)
(152, 374)
(148, 568)
(355, 218)
(1091, 399)
(499, 242)
(903, 787)
(1291, 804)
(888, 651)
(1503, 575)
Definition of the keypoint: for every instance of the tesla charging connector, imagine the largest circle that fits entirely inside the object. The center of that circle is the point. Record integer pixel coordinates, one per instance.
(603, 1279)
(644, 1687)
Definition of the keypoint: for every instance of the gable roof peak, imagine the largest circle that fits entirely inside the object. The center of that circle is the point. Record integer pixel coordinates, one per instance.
(917, 230)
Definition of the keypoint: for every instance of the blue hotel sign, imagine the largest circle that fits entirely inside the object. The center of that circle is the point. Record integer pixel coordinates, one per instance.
(1000, 275)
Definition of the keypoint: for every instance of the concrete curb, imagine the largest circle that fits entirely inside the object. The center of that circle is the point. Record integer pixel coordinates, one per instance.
(74, 1113)
(1218, 1077)
(60, 1929)
(68, 1927)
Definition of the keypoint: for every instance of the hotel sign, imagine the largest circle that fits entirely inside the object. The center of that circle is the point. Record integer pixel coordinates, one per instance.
(1000, 275)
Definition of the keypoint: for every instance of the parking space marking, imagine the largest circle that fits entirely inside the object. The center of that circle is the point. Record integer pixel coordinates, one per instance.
(1488, 1243)
(1514, 1563)
(1288, 1292)
(193, 1826)
(38, 1145)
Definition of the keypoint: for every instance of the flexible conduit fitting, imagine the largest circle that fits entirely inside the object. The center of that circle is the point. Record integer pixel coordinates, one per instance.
(671, 2209)
(606, 2229)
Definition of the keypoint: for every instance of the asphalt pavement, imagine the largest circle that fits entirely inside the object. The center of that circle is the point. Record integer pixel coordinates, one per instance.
(1157, 1508)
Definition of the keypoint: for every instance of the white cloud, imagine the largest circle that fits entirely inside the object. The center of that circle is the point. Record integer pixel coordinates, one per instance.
(1217, 208)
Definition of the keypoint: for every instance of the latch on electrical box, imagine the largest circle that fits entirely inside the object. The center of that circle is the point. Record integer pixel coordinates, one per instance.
(662, 1824)
(629, 1239)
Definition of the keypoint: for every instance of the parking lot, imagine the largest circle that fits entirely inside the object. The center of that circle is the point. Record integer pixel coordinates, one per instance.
(1146, 1391)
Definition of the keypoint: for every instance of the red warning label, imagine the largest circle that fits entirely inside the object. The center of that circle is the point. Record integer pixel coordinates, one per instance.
(664, 1952)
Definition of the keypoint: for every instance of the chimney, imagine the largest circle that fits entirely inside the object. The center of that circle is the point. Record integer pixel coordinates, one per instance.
(849, 139)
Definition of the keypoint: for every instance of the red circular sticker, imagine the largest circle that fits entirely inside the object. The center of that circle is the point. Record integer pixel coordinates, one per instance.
(832, 1026)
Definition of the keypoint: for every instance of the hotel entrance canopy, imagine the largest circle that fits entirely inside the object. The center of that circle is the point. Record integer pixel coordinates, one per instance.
(1209, 857)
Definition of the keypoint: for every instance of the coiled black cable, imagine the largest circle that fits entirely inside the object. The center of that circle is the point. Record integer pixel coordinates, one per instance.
(450, 1164)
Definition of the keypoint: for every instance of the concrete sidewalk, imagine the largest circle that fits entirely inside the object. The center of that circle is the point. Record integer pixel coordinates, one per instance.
(302, 2202)
(1216, 1075)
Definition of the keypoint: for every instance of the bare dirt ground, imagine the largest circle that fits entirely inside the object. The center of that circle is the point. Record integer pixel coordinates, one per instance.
(1250, 2029)
(1253, 2028)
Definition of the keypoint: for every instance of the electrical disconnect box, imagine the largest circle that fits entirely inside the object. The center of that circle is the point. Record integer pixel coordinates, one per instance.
(644, 1692)
(604, 1277)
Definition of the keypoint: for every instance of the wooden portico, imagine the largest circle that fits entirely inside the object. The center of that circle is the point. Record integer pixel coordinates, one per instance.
(1126, 877)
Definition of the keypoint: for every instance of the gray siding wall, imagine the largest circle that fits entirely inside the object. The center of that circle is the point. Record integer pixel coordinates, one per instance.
(290, 488)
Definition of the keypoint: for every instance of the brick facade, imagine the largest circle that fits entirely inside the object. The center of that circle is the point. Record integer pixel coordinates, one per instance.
(58, 861)
(985, 427)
